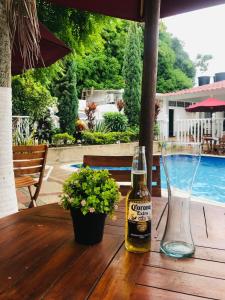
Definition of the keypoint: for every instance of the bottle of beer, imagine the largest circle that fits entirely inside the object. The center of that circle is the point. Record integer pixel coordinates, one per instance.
(138, 207)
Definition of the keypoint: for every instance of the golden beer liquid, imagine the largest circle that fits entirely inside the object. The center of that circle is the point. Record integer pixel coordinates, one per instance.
(138, 195)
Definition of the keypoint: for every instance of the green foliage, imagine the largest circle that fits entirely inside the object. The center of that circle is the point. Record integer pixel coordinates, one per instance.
(182, 60)
(91, 191)
(101, 67)
(132, 71)
(156, 131)
(45, 129)
(65, 90)
(115, 121)
(175, 69)
(100, 126)
(202, 61)
(30, 97)
(99, 71)
(78, 29)
(63, 139)
(21, 140)
(100, 138)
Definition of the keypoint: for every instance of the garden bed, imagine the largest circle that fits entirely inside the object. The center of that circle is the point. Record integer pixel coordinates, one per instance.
(57, 155)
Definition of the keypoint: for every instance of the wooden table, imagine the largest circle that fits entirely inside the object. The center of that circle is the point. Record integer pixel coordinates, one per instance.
(40, 260)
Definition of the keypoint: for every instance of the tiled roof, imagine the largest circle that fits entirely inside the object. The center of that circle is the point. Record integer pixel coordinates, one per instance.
(198, 89)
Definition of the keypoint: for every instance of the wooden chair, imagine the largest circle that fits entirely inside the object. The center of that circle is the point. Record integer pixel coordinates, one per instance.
(125, 175)
(29, 165)
(220, 147)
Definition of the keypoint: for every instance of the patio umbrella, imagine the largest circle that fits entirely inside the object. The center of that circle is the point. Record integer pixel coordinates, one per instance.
(150, 12)
(207, 105)
(133, 9)
(51, 47)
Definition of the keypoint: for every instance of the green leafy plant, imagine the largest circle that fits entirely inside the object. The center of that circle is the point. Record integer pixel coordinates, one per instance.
(91, 191)
(116, 121)
(156, 131)
(101, 126)
(63, 139)
(20, 140)
(101, 138)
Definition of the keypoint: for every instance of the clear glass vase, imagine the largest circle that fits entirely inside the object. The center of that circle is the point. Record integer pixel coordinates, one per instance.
(180, 162)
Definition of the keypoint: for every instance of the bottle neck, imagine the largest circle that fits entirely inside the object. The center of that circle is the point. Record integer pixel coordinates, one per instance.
(139, 178)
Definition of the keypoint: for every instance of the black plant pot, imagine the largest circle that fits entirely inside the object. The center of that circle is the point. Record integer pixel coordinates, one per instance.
(88, 229)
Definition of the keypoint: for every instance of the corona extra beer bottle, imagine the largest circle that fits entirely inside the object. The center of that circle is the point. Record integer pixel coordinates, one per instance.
(138, 207)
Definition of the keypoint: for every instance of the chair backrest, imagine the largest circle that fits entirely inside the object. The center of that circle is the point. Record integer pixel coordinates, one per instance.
(222, 139)
(30, 160)
(125, 175)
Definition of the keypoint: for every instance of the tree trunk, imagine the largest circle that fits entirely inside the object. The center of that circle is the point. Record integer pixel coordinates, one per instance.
(8, 201)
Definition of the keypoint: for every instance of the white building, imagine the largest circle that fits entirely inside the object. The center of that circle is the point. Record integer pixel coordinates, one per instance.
(105, 100)
(175, 121)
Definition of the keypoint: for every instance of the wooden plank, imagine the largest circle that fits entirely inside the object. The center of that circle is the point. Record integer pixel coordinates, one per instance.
(108, 161)
(212, 254)
(29, 148)
(149, 293)
(118, 280)
(46, 269)
(189, 265)
(27, 163)
(181, 282)
(204, 253)
(80, 283)
(215, 222)
(121, 175)
(27, 171)
(29, 155)
(20, 257)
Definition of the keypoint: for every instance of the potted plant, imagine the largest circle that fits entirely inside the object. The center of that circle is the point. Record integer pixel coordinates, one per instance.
(90, 195)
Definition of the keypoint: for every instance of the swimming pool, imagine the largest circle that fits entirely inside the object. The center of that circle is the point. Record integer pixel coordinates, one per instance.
(209, 181)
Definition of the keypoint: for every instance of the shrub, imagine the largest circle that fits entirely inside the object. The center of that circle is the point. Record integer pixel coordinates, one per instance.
(90, 191)
(19, 139)
(116, 121)
(100, 126)
(156, 131)
(100, 138)
(63, 139)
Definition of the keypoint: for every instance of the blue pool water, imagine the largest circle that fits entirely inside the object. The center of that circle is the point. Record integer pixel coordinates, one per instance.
(209, 181)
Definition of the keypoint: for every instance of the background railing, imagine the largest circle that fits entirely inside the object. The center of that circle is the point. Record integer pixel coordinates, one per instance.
(193, 129)
(163, 129)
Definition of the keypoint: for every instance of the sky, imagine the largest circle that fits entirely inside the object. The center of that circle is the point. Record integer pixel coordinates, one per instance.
(202, 31)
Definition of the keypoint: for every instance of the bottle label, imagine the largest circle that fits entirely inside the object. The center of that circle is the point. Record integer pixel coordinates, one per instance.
(139, 211)
(139, 220)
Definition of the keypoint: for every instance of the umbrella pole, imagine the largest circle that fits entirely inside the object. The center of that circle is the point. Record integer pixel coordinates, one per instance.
(149, 79)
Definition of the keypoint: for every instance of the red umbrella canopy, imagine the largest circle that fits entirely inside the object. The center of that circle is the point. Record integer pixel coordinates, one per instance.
(51, 48)
(207, 105)
(133, 9)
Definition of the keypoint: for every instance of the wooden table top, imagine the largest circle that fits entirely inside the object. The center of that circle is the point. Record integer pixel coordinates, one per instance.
(40, 260)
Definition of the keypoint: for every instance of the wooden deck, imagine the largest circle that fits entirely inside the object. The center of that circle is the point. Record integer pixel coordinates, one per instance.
(40, 260)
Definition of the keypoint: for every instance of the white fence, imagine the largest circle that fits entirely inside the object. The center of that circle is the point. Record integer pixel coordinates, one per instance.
(163, 129)
(20, 124)
(193, 129)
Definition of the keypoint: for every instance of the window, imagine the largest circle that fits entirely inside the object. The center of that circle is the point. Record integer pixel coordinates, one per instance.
(173, 103)
(180, 104)
(208, 115)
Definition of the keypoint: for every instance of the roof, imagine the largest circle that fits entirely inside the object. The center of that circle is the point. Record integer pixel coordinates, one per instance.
(211, 89)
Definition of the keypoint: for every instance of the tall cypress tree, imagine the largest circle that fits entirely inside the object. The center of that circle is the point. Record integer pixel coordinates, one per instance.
(132, 69)
(66, 91)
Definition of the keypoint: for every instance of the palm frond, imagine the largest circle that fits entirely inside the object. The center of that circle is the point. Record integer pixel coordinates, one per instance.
(23, 23)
